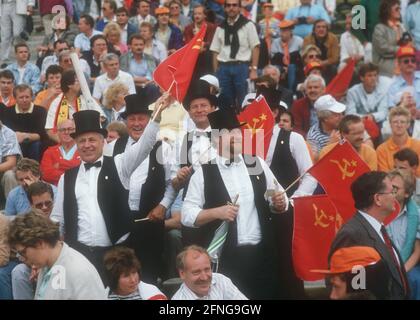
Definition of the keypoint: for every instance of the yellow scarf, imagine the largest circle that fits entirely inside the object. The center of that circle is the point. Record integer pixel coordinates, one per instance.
(63, 113)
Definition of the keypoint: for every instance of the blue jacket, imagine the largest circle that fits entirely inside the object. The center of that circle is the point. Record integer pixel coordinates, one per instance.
(30, 76)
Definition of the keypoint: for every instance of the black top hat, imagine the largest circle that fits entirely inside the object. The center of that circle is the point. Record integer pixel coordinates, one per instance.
(200, 89)
(136, 103)
(88, 121)
(224, 119)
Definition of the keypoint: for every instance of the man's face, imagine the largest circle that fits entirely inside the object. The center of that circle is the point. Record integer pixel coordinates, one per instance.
(83, 26)
(405, 166)
(199, 109)
(285, 122)
(338, 288)
(398, 185)
(64, 130)
(268, 12)
(66, 63)
(107, 10)
(355, 134)
(54, 80)
(43, 202)
(36, 256)
(145, 33)
(90, 146)
(137, 46)
(99, 47)
(399, 125)
(232, 8)
(333, 120)
(122, 18)
(230, 143)
(321, 29)
(197, 274)
(175, 9)
(6, 86)
(314, 90)
(198, 15)
(24, 99)
(286, 34)
(370, 79)
(25, 178)
(163, 18)
(386, 198)
(407, 64)
(143, 9)
(136, 123)
(112, 67)
(61, 47)
(22, 54)
(274, 74)
(75, 87)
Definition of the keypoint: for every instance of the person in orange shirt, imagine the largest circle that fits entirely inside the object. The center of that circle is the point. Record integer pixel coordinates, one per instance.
(399, 119)
(352, 129)
(7, 80)
(46, 96)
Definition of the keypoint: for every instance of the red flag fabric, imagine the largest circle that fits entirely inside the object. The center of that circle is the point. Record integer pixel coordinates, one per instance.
(316, 222)
(341, 82)
(259, 127)
(174, 73)
(336, 171)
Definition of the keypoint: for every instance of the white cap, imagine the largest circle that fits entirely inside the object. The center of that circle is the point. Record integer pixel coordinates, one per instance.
(283, 104)
(250, 97)
(328, 103)
(398, 96)
(212, 80)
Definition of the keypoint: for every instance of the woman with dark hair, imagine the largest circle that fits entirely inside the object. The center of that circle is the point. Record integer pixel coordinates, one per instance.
(386, 37)
(122, 269)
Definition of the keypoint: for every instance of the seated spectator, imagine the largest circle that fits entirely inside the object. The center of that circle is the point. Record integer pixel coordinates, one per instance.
(407, 160)
(199, 282)
(123, 271)
(41, 197)
(116, 130)
(59, 46)
(153, 47)
(127, 28)
(404, 229)
(27, 172)
(328, 44)
(411, 21)
(386, 37)
(37, 240)
(350, 46)
(115, 102)
(269, 25)
(53, 78)
(399, 119)
(285, 52)
(143, 14)
(59, 33)
(24, 71)
(113, 74)
(9, 153)
(368, 99)
(175, 16)
(59, 158)
(64, 61)
(112, 33)
(352, 130)
(109, 8)
(28, 121)
(329, 112)
(409, 77)
(169, 34)
(286, 95)
(82, 42)
(93, 57)
(6, 88)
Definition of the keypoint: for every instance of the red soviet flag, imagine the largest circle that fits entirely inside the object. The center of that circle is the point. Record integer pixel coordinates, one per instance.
(336, 171)
(258, 129)
(316, 221)
(341, 82)
(174, 73)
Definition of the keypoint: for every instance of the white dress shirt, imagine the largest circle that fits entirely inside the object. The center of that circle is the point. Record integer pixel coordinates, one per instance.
(221, 288)
(237, 181)
(300, 153)
(91, 224)
(103, 82)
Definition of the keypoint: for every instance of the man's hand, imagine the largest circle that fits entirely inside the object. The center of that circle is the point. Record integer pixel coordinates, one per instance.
(161, 104)
(157, 213)
(21, 136)
(30, 179)
(33, 277)
(227, 212)
(310, 20)
(279, 201)
(182, 177)
(335, 136)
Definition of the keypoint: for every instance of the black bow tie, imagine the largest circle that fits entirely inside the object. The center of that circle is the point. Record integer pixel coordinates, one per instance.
(202, 134)
(96, 164)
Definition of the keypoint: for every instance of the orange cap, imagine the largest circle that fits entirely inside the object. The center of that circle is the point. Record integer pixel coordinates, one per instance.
(267, 4)
(161, 10)
(284, 24)
(344, 259)
(406, 51)
(312, 65)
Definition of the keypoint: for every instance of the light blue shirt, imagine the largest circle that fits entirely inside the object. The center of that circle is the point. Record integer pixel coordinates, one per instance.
(31, 75)
(314, 11)
(295, 44)
(141, 69)
(398, 85)
(82, 41)
(412, 22)
(9, 145)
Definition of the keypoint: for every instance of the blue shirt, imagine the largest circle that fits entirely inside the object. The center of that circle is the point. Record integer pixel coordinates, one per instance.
(314, 11)
(9, 145)
(31, 75)
(82, 41)
(141, 69)
(317, 138)
(398, 85)
(412, 22)
(17, 201)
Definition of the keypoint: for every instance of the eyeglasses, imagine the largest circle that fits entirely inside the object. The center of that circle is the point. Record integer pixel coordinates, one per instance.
(48, 204)
(393, 192)
(21, 254)
(399, 122)
(71, 130)
(227, 5)
(408, 60)
(313, 56)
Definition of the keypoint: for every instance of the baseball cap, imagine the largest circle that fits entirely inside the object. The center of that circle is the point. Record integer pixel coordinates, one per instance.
(344, 259)
(161, 10)
(285, 24)
(406, 51)
(212, 80)
(312, 65)
(328, 103)
(249, 98)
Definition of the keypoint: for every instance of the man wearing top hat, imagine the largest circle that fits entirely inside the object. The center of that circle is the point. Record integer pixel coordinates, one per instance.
(92, 201)
(242, 191)
(150, 188)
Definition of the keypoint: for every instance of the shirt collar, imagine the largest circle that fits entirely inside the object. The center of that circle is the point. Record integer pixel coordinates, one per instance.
(195, 297)
(109, 79)
(31, 108)
(227, 163)
(101, 159)
(372, 221)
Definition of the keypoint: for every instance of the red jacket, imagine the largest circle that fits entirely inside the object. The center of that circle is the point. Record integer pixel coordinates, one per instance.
(302, 115)
(53, 165)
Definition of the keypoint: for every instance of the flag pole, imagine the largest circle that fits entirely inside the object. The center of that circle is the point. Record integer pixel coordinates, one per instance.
(160, 104)
(296, 181)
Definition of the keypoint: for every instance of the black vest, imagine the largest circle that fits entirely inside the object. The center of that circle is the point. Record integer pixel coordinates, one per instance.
(283, 164)
(112, 200)
(216, 195)
(120, 144)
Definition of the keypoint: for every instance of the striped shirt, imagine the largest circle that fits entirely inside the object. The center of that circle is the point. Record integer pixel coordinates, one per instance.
(317, 138)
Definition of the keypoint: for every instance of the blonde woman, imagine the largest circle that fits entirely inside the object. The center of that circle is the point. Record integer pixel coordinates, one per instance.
(112, 33)
(114, 101)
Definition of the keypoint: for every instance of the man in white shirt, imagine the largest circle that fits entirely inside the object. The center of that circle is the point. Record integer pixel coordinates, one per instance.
(241, 195)
(92, 201)
(87, 31)
(113, 74)
(200, 283)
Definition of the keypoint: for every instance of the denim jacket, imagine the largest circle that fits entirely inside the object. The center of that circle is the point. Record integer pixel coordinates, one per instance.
(30, 76)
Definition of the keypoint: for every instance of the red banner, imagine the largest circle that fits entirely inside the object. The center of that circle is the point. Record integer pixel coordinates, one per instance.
(339, 85)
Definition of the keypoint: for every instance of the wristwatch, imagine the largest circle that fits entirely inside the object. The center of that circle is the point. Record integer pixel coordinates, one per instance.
(253, 68)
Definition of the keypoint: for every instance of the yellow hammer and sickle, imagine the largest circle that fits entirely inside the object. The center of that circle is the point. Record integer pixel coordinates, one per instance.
(319, 217)
(344, 168)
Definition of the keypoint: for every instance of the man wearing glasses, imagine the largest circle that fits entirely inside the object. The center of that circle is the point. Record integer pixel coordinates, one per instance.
(374, 198)
(409, 77)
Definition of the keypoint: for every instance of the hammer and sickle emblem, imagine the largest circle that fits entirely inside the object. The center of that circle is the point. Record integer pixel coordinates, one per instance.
(260, 120)
(344, 167)
(321, 215)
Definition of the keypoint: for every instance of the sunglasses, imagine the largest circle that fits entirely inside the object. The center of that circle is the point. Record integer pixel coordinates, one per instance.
(313, 56)
(41, 205)
(67, 130)
(408, 60)
(227, 5)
